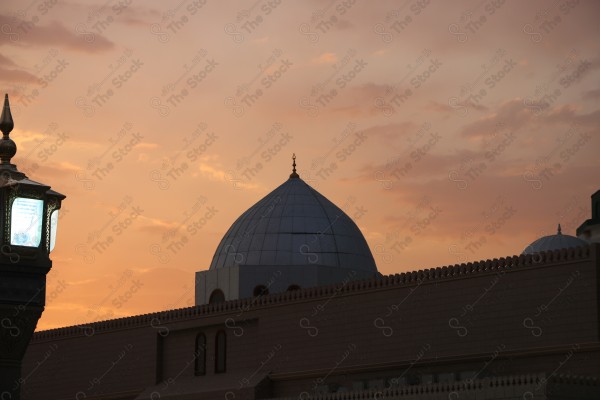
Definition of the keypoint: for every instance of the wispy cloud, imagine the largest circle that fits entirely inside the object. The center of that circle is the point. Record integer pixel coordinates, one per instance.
(52, 34)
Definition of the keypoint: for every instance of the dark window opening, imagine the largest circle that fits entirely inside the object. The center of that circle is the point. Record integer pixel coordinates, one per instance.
(217, 296)
(260, 290)
(220, 352)
(200, 354)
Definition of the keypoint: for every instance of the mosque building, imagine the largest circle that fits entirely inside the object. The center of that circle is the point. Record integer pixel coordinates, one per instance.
(293, 307)
(293, 235)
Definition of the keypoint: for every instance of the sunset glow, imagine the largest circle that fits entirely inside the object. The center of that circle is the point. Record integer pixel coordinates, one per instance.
(449, 131)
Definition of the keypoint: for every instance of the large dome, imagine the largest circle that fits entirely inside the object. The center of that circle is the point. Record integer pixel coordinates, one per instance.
(554, 242)
(294, 225)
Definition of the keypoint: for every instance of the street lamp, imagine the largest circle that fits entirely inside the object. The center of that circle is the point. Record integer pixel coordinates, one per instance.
(28, 223)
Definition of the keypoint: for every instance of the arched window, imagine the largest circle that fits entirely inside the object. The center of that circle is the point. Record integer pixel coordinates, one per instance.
(293, 287)
(260, 290)
(217, 296)
(220, 352)
(200, 354)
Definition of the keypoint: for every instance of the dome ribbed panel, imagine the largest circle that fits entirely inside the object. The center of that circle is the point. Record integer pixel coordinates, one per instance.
(554, 242)
(294, 225)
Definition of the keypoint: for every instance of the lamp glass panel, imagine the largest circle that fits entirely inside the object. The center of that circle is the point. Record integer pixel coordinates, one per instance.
(26, 222)
(53, 227)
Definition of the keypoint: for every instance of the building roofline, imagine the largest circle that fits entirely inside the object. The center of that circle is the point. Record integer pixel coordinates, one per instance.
(384, 282)
(585, 225)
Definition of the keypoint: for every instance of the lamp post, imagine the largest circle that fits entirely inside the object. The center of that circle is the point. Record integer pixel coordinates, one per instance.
(28, 222)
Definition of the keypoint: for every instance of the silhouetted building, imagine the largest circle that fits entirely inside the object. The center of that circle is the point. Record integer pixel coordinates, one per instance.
(590, 229)
(293, 307)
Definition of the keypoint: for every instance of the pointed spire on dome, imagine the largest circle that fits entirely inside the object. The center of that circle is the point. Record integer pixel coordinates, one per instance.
(8, 148)
(294, 174)
(559, 231)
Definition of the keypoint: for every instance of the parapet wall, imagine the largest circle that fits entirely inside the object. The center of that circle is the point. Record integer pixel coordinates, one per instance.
(432, 275)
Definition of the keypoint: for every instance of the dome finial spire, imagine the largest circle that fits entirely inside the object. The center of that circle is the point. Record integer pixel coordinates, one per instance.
(559, 231)
(294, 174)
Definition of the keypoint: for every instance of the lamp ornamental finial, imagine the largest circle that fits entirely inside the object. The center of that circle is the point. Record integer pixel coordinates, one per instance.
(294, 174)
(559, 230)
(6, 121)
(8, 148)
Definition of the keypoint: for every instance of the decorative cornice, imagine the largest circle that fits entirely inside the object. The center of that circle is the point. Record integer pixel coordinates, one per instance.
(538, 379)
(400, 365)
(575, 380)
(457, 271)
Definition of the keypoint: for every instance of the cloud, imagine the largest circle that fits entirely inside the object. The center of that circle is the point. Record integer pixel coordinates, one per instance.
(512, 115)
(14, 74)
(52, 34)
(211, 172)
(429, 167)
(567, 114)
(110, 296)
(63, 167)
(487, 216)
(370, 90)
(138, 15)
(352, 111)
(28, 136)
(591, 94)
(325, 58)
(156, 225)
(361, 100)
(344, 24)
(134, 21)
(82, 281)
(436, 106)
(445, 108)
(6, 61)
(388, 133)
(146, 145)
(47, 171)
(229, 177)
(515, 115)
(31, 141)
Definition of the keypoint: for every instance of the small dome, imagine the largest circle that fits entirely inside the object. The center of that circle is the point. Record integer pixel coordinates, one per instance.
(294, 225)
(554, 242)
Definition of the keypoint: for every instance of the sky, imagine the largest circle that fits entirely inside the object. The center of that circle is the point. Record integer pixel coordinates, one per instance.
(449, 131)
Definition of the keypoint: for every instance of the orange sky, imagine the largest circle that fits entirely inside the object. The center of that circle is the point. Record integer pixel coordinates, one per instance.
(449, 131)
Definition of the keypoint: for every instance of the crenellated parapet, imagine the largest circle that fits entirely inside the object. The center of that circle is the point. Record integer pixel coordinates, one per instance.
(386, 282)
